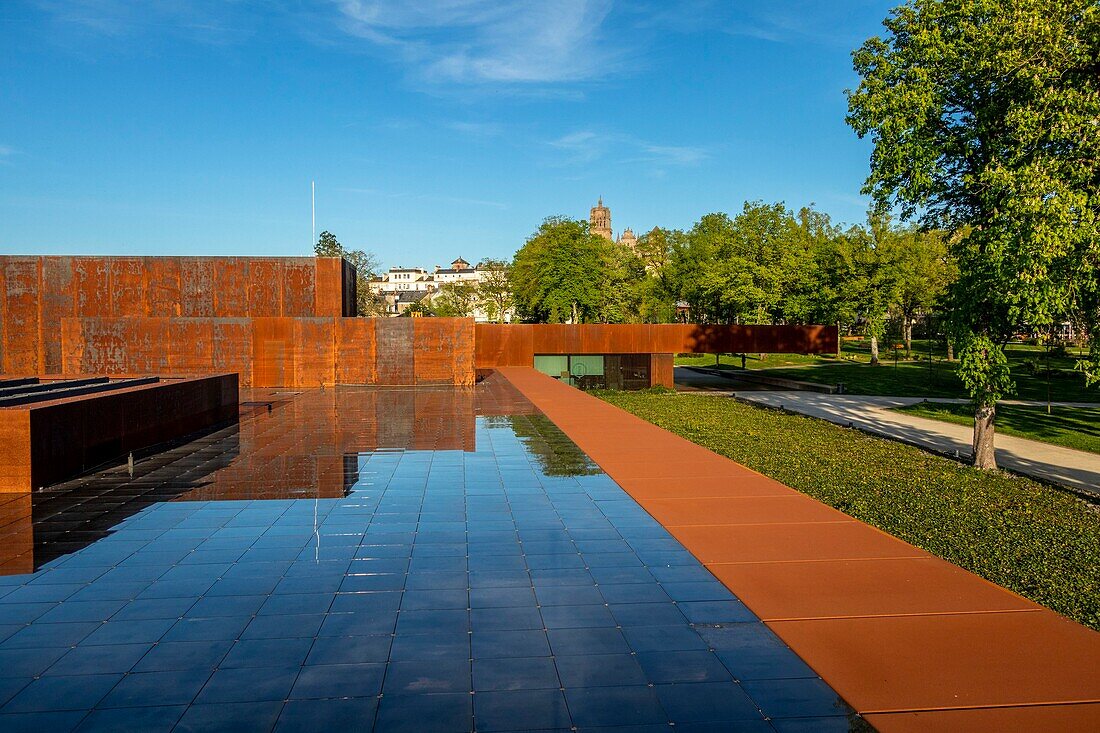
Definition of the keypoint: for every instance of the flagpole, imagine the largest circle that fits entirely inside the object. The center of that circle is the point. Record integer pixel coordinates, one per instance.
(313, 210)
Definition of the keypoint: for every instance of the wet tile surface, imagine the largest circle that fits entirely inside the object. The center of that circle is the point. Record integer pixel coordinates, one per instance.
(474, 571)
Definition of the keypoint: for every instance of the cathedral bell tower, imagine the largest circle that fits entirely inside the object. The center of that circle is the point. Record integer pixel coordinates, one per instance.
(599, 220)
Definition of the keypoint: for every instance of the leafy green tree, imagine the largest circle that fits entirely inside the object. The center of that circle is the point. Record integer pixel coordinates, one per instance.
(875, 275)
(456, 300)
(566, 274)
(983, 115)
(495, 297)
(745, 269)
(328, 245)
(655, 292)
(924, 270)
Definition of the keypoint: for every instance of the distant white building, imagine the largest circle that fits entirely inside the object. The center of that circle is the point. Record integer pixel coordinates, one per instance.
(400, 287)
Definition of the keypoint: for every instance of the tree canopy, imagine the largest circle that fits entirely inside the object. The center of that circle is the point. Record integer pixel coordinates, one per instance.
(566, 274)
(985, 119)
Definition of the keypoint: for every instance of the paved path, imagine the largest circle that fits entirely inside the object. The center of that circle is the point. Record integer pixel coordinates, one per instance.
(1076, 469)
(910, 641)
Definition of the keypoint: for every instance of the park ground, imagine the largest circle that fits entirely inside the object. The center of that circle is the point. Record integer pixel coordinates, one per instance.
(1043, 380)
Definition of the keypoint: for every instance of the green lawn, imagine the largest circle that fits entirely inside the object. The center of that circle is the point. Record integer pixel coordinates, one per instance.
(1036, 540)
(1072, 427)
(917, 377)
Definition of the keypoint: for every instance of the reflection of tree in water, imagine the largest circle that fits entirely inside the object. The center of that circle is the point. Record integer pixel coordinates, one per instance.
(557, 455)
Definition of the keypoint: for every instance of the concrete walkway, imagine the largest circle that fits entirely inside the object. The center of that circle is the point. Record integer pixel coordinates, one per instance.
(1076, 469)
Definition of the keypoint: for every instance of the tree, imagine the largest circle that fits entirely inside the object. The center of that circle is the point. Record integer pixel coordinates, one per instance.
(455, 300)
(328, 245)
(983, 114)
(745, 269)
(495, 296)
(368, 303)
(566, 274)
(924, 270)
(874, 286)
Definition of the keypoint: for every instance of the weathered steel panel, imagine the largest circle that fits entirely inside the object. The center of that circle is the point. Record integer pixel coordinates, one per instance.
(504, 345)
(233, 347)
(355, 351)
(329, 287)
(265, 287)
(162, 276)
(196, 287)
(56, 302)
(299, 288)
(191, 349)
(68, 436)
(661, 370)
(231, 280)
(314, 359)
(393, 338)
(21, 282)
(272, 352)
(149, 346)
(126, 286)
(433, 350)
(91, 278)
(501, 344)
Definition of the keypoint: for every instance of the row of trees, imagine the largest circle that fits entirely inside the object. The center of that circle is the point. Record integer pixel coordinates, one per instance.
(768, 264)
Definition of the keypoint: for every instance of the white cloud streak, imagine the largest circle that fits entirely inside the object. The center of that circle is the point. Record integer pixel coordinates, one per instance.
(488, 41)
(586, 146)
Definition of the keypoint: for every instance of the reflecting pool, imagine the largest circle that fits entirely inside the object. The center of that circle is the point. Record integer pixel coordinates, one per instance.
(388, 560)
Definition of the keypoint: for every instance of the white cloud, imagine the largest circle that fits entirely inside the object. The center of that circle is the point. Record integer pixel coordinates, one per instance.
(205, 21)
(586, 146)
(489, 41)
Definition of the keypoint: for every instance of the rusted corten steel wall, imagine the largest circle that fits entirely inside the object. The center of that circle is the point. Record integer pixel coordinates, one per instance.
(36, 293)
(516, 344)
(50, 441)
(276, 352)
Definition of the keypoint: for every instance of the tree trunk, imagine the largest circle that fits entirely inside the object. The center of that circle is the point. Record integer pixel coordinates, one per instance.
(907, 330)
(874, 351)
(984, 455)
(838, 339)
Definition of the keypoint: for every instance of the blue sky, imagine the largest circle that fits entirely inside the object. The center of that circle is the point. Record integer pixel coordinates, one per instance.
(433, 128)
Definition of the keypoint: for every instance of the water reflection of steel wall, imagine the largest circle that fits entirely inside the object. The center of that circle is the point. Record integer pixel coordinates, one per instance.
(287, 445)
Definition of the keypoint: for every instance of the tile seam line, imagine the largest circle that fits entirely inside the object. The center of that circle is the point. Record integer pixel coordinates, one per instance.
(709, 563)
(758, 524)
(799, 619)
(721, 563)
(997, 706)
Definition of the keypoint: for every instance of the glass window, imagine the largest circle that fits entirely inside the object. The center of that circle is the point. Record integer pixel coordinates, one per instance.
(556, 365)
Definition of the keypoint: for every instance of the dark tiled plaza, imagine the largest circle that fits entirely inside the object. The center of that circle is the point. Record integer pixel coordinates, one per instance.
(388, 560)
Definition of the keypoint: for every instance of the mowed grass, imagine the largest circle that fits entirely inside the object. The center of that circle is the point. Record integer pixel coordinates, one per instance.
(1072, 427)
(1038, 377)
(1036, 540)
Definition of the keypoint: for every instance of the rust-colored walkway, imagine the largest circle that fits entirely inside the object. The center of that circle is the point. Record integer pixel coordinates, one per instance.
(911, 641)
